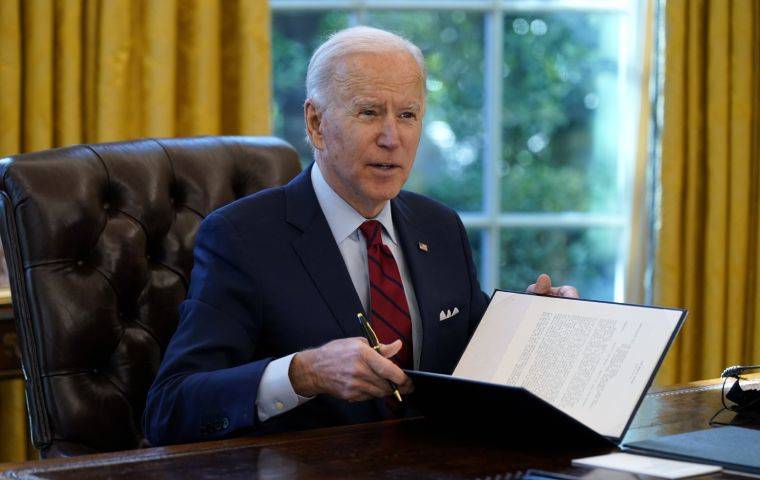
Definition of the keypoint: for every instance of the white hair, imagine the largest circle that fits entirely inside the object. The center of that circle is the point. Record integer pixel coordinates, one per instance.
(361, 39)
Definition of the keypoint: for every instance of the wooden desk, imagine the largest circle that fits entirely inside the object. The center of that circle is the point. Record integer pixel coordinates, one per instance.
(411, 448)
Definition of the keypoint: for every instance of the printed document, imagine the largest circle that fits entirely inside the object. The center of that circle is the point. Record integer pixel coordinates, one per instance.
(592, 360)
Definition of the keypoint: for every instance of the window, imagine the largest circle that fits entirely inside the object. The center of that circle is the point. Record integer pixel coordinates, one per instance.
(530, 126)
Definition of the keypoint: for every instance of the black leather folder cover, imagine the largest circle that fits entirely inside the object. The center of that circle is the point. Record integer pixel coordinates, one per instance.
(733, 448)
(513, 411)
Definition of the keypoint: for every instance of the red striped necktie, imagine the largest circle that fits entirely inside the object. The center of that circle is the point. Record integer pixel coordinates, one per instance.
(389, 312)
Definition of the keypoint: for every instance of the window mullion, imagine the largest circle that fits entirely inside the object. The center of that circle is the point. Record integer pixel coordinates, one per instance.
(494, 35)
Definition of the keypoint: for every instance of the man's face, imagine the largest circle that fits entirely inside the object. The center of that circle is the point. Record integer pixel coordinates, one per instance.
(367, 137)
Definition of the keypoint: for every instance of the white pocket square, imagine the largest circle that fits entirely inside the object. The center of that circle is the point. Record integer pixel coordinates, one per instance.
(446, 314)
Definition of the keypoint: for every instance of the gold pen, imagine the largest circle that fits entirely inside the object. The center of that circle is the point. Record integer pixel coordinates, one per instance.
(375, 344)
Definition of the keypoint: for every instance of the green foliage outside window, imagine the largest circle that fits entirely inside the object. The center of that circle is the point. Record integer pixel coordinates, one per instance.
(560, 126)
(559, 113)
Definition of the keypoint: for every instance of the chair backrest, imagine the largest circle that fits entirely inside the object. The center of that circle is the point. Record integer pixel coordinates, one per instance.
(98, 241)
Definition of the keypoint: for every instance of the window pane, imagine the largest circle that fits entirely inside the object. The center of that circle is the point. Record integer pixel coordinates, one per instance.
(294, 37)
(583, 258)
(561, 121)
(449, 165)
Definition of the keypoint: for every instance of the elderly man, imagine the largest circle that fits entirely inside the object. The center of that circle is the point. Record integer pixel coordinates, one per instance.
(268, 338)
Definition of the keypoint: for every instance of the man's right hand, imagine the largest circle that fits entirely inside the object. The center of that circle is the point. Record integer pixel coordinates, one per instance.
(348, 368)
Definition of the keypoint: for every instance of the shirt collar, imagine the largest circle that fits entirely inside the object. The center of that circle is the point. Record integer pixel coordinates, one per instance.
(341, 217)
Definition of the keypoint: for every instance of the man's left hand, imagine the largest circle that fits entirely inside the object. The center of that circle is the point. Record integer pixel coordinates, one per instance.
(543, 286)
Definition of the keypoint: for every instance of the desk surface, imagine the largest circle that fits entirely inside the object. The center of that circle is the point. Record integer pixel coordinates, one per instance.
(410, 448)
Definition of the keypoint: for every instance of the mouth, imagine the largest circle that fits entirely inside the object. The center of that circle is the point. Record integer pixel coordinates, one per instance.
(384, 166)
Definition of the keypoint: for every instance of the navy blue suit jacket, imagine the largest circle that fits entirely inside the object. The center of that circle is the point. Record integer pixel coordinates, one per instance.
(269, 280)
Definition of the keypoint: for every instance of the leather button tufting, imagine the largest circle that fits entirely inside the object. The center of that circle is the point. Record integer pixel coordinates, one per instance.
(103, 317)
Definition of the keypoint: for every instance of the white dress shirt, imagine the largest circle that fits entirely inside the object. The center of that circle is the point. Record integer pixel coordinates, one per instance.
(276, 394)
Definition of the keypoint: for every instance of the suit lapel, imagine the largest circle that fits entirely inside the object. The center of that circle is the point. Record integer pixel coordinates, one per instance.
(421, 263)
(320, 255)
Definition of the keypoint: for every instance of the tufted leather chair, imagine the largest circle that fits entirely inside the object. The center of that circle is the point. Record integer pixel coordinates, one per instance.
(98, 241)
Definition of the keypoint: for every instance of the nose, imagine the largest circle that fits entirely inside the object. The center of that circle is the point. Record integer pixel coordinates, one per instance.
(389, 137)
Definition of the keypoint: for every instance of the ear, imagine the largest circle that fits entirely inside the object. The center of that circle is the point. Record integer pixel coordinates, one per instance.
(313, 120)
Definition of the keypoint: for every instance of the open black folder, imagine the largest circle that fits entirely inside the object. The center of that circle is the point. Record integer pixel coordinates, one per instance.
(733, 448)
(554, 370)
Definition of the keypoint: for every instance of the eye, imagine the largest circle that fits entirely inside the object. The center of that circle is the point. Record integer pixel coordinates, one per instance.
(408, 115)
(367, 112)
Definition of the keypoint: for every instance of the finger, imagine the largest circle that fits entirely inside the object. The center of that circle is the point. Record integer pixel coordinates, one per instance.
(360, 390)
(378, 381)
(543, 285)
(567, 291)
(376, 390)
(365, 372)
(390, 349)
(393, 374)
(388, 370)
(407, 386)
(362, 377)
(385, 368)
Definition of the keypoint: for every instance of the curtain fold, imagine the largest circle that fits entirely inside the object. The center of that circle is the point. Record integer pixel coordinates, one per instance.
(85, 71)
(67, 93)
(707, 258)
(10, 77)
(75, 71)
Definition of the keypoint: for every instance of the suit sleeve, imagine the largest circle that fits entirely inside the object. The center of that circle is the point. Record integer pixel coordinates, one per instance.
(208, 381)
(478, 299)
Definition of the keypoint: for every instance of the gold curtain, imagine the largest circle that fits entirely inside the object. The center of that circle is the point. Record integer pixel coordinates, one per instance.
(709, 243)
(84, 71)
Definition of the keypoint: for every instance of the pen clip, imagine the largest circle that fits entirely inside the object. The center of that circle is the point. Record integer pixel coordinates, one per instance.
(368, 331)
(375, 344)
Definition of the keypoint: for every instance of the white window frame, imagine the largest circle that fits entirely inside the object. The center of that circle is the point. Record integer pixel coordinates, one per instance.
(491, 220)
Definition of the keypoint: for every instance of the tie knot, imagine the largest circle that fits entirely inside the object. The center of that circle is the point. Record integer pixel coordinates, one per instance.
(371, 229)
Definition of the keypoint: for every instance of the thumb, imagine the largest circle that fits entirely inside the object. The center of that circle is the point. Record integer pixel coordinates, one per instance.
(543, 284)
(390, 349)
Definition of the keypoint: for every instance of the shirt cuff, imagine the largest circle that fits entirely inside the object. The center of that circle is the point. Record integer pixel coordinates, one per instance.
(276, 395)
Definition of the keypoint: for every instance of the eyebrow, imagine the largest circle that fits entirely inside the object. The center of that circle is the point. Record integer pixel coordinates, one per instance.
(367, 102)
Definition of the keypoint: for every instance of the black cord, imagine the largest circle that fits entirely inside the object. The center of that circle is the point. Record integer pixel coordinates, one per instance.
(740, 410)
(723, 394)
